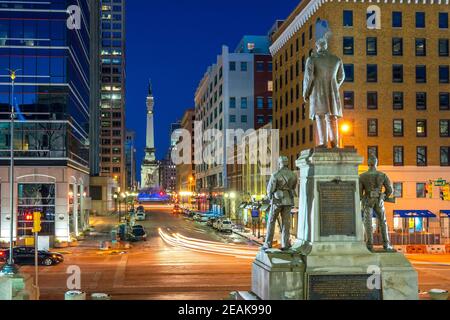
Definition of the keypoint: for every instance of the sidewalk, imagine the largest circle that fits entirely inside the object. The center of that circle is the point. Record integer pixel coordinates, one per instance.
(249, 235)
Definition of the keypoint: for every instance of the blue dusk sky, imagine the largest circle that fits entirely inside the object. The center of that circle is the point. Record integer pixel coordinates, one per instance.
(173, 43)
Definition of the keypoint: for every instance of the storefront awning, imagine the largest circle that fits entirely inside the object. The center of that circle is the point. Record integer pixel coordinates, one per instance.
(249, 206)
(243, 205)
(414, 214)
(445, 213)
(265, 207)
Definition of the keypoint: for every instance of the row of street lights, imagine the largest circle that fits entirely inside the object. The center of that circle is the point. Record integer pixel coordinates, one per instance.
(123, 197)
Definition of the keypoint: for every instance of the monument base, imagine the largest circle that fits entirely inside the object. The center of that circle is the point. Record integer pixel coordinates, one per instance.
(324, 275)
(19, 287)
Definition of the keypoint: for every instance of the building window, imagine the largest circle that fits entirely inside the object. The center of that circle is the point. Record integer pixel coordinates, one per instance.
(372, 127)
(445, 152)
(232, 102)
(232, 118)
(398, 128)
(397, 20)
(397, 100)
(244, 119)
(397, 73)
(421, 190)
(372, 73)
(372, 100)
(421, 128)
(397, 46)
(421, 74)
(372, 151)
(444, 126)
(420, 19)
(443, 74)
(349, 72)
(398, 190)
(421, 101)
(270, 103)
(348, 18)
(260, 102)
(232, 66)
(38, 198)
(443, 20)
(399, 156)
(349, 100)
(421, 47)
(443, 47)
(444, 101)
(243, 66)
(260, 66)
(371, 46)
(348, 46)
(422, 160)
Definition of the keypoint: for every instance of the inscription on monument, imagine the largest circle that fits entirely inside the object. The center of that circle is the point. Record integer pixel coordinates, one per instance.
(341, 287)
(337, 208)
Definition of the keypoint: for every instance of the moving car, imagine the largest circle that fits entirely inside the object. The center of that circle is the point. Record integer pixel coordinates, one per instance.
(138, 234)
(140, 216)
(177, 210)
(25, 256)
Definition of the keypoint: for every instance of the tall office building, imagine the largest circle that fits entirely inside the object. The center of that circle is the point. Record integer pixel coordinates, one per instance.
(130, 155)
(233, 94)
(186, 172)
(113, 91)
(167, 169)
(51, 132)
(396, 95)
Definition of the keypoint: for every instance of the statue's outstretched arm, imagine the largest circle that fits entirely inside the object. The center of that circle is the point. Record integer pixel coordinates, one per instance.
(309, 79)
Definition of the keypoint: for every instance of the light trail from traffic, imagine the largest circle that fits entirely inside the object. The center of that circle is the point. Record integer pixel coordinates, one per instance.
(209, 247)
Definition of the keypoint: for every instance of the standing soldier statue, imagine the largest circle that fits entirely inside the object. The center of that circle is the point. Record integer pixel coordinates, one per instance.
(281, 192)
(324, 76)
(371, 184)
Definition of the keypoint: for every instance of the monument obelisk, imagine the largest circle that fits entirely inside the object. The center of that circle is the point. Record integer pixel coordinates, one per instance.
(150, 166)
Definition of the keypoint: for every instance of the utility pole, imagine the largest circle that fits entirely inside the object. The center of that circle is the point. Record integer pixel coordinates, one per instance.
(9, 268)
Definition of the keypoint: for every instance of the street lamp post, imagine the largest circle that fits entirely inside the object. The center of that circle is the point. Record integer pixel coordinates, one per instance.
(10, 268)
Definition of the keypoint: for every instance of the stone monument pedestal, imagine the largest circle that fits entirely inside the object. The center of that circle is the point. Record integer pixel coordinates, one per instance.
(19, 287)
(330, 260)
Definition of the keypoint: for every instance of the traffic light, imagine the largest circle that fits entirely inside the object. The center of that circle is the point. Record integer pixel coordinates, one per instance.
(37, 222)
(29, 217)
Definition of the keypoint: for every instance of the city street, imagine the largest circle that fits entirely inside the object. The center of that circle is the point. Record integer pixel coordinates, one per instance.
(157, 270)
(153, 269)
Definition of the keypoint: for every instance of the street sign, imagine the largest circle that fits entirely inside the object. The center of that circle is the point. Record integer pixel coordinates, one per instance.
(440, 183)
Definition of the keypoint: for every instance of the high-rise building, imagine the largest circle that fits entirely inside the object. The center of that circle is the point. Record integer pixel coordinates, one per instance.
(233, 94)
(130, 155)
(186, 172)
(113, 91)
(167, 169)
(395, 98)
(52, 99)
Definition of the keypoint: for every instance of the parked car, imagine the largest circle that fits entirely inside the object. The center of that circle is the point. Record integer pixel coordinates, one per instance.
(138, 234)
(211, 221)
(140, 216)
(140, 209)
(225, 225)
(25, 256)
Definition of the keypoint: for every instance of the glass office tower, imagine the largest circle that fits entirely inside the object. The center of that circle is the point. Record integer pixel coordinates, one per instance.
(51, 50)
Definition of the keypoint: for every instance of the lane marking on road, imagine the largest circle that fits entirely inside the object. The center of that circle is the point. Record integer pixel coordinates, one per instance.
(119, 276)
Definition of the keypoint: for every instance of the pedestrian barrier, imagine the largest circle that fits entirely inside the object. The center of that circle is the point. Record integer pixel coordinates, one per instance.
(436, 249)
(401, 249)
(416, 249)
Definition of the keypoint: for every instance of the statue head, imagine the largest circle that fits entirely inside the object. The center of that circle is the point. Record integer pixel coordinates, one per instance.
(372, 162)
(322, 45)
(283, 162)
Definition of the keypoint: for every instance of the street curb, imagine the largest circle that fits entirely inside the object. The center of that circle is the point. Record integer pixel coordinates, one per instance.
(248, 238)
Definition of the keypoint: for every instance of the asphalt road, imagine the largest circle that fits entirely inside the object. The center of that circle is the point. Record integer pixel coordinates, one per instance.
(153, 269)
(160, 271)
